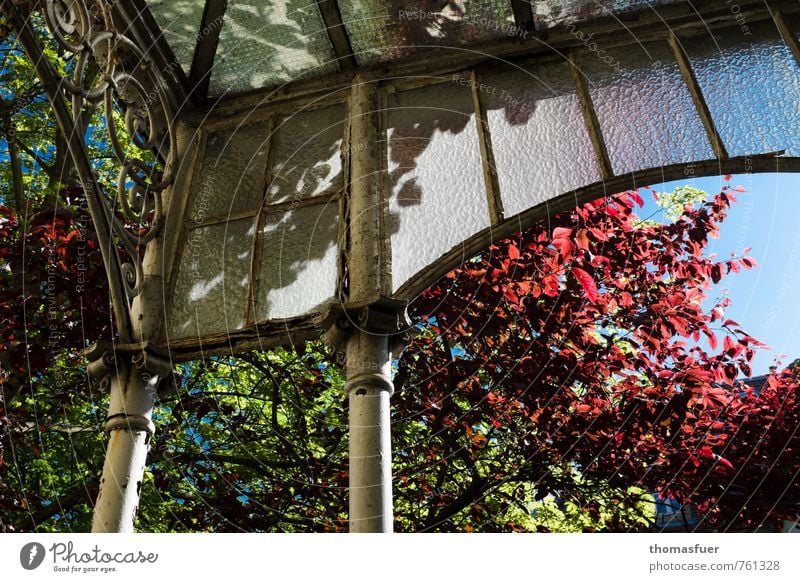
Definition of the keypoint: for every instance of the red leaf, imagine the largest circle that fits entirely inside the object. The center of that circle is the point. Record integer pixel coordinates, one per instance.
(725, 462)
(511, 296)
(600, 260)
(749, 262)
(550, 285)
(598, 234)
(513, 251)
(716, 273)
(582, 238)
(561, 232)
(588, 284)
(727, 343)
(564, 246)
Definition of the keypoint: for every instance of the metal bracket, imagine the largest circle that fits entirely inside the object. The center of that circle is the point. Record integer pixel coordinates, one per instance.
(386, 316)
(146, 356)
(150, 360)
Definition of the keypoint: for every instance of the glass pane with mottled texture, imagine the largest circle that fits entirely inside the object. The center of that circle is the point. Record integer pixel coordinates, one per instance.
(751, 88)
(384, 31)
(298, 261)
(213, 277)
(539, 137)
(646, 113)
(180, 20)
(307, 158)
(437, 193)
(265, 44)
(551, 13)
(232, 172)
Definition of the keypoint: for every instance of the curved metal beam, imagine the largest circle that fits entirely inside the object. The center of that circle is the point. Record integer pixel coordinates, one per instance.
(298, 329)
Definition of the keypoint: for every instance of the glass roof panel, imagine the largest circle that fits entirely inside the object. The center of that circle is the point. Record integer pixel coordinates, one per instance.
(232, 173)
(298, 261)
(437, 192)
(760, 116)
(266, 44)
(180, 21)
(211, 289)
(549, 13)
(384, 31)
(539, 137)
(307, 156)
(645, 110)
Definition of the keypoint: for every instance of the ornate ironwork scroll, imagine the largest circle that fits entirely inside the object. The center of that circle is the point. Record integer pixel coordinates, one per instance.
(111, 88)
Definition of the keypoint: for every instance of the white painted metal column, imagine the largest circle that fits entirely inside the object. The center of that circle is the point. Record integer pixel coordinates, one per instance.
(368, 359)
(130, 429)
(369, 388)
(133, 371)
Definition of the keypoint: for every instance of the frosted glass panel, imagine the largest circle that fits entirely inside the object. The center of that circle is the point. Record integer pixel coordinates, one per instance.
(382, 31)
(370, 26)
(180, 20)
(232, 173)
(539, 137)
(307, 160)
(751, 89)
(211, 290)
(646, 113)
(298, 261)
(437, 192)
(266, 44)
(549, 13)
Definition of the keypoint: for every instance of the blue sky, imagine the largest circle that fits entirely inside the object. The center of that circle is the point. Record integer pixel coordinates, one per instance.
(766, 300)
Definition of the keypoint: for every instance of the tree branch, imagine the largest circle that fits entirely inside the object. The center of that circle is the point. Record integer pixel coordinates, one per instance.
(48, 168)
(85, 491)
(16, 174)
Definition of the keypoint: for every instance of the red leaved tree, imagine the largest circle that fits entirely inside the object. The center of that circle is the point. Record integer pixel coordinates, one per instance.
(53, 295)
(53, 299)
(574, 348)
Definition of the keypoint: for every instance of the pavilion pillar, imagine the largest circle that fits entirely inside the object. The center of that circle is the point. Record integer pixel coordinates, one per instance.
(146, 212)
(369, 388)
(132, 372)
(368, 322)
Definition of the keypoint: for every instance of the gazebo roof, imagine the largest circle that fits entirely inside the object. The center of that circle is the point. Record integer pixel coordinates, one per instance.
(231, 47)
(475, 119)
